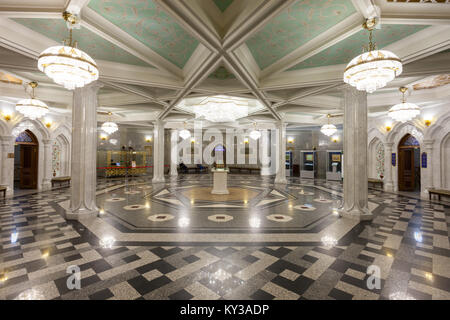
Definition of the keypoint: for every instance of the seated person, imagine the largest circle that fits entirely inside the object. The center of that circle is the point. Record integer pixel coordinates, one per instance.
(183, 168)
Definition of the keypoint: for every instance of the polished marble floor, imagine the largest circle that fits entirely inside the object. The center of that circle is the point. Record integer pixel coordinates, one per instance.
(263, 241)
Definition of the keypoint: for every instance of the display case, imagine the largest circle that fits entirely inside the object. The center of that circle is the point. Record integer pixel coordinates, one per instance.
(334, 165)
(289, 164)
(122, 163)
(308, 164)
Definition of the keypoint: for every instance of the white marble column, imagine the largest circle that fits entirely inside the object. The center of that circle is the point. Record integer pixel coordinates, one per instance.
(355, 155)
(158, 154)
(264, 147)
(46, 181)
(388, 184)
(281, 153)
(7, 164)
(428, 144)
(173, 153)
(84, 150)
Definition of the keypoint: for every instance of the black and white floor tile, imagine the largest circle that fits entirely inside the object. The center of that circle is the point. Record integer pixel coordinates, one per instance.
(195, 251)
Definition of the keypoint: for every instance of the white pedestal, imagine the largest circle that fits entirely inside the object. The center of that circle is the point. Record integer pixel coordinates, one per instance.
(220, 181)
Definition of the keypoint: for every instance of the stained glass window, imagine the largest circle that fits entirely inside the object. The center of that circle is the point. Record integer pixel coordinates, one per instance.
(24, 137)
(411, 141)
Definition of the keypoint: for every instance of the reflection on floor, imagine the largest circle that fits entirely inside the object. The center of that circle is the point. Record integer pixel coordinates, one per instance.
(265, 241)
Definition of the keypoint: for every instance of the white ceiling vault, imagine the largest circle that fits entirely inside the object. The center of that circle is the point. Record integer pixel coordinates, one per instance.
(288, 54)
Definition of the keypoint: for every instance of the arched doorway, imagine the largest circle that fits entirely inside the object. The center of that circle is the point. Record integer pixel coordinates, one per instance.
(408, 164)
(26, 151)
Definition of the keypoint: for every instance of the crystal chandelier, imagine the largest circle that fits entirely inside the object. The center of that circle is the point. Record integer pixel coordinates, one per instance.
(404, 111)
(221, 109)
(255, 134)
(328, 129)
(373, 69)
(109, 127)
(32, 108)
(184, 134)
(67, 65)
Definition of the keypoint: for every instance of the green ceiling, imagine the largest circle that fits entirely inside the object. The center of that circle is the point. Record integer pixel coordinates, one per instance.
(221, 73)
(223, 4)
(347, 49)
(295, 26)
(91, 43)
(149, 24)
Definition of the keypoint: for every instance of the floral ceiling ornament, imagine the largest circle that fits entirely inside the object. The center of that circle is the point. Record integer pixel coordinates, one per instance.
(32, 108)
(328, 129)
(374, 68)
(67, 65)
(109, 127)
(404, 111)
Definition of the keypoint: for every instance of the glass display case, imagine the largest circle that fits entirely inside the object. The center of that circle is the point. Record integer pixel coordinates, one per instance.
(120, 163)
(308, 164)
(289, 164)
(334, 165)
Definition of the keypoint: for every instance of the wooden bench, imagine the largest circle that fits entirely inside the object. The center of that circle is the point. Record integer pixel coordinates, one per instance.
(3, 189)
(439, 193)
(375, 182)
(60, 180)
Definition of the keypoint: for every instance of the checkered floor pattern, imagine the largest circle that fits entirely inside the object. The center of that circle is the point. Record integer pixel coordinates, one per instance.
(408, 241)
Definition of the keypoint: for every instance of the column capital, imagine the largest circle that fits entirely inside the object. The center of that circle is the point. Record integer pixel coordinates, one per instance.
(428, 143)
(6, 139)
(388, 144)
(47, 141)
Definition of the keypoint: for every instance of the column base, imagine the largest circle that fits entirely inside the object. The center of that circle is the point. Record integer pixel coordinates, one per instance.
(281, 180)
(389, 187)
(174, 174)
(158, 180)
(46, 185)
(80, 214)
(265, 171)
(355, 214)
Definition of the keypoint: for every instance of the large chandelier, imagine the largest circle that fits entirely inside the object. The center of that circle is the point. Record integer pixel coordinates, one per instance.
(255, 134)
(67, 65)
(221, 109)
(32, 108)
(328, 129)
(184, 134)
(404, 111)
(372, 69)
(109, 127)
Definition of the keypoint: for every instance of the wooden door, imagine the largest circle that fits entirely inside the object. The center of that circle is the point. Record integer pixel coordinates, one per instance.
(406, 179)
(28, 166)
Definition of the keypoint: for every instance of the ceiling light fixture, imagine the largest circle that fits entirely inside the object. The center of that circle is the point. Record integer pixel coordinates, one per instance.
(328, 129)
(67, 65)
(404, 111)
(184, 134)
(32, 108)
(255, 134)
(109, 127)
(221, 109)
(374, 68)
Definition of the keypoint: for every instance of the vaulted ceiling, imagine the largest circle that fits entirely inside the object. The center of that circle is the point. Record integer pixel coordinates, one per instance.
(288, 54)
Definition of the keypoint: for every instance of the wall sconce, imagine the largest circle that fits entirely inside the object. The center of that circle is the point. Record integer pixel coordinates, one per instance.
(335, 139)
(290, 140)
(192, 140)
(245, 140)
(7, 116)
(427, 121)
(48, 124)
(148, 139)
(388, 127)
(103, 136)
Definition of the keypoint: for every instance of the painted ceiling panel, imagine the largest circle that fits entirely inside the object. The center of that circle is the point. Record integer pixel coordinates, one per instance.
(223, 4)
(149, 24)
(221, 73)
(342, 52)
(295, 26)
(91, 43)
